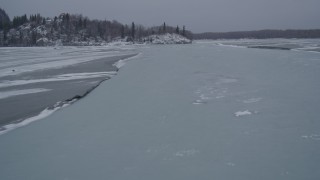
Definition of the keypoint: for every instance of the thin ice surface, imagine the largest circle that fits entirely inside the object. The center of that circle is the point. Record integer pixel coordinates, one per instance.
(143, 123)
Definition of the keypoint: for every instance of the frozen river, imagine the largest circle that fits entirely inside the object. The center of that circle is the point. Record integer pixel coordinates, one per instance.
(199, 111)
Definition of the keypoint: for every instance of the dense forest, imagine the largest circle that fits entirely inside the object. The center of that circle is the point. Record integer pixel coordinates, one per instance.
(74, 29)
(263, 34)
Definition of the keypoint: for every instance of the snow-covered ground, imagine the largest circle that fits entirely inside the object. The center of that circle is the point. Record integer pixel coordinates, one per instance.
(201, 111)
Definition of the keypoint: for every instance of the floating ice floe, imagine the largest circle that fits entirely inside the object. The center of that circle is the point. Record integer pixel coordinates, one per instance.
(252, 100)
(226, 80)
(198, 102)
(230, 164)
(242, 113)
(158, 149)
(220, 96)
(312, 137)
(187, 153)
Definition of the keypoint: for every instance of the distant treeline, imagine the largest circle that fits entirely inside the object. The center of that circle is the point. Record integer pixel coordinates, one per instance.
(262, 34)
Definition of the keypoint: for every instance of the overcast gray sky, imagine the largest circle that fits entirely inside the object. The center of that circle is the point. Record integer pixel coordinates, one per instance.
(197, 15)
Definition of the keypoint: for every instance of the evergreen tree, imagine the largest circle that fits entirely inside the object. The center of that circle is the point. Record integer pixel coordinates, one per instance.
(4, 20)
(33, 38)
(85, 23)
(5, 35)
(184, 31)
(20, 37)
(31, 18)
(178, 30)
(100, 29)
(80, 23)
(164, 27)
(133, 31)
(122, 31)
(126, 30)
(25, 19)
(67, 17)
(68, 24)
(38, 18)
(19, 20)
(55, 23)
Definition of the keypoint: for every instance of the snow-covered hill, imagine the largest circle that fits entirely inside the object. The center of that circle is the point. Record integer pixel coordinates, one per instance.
(74, 30)
(167, 39)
